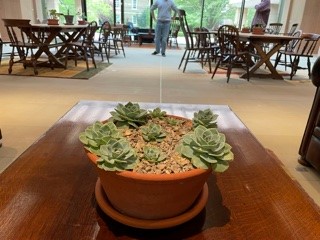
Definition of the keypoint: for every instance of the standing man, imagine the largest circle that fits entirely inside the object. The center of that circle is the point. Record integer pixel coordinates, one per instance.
(163, 23)
(261, 16)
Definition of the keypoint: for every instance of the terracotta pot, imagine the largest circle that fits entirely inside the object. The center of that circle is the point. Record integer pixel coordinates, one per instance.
(82, 22)
(257, 30)
(245, 30)
(151, 196)
(53, 22)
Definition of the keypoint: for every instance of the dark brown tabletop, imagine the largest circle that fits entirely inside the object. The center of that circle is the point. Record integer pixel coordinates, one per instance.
(48, 192)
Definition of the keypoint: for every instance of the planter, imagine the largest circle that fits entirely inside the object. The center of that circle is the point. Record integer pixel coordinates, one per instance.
(245, 30)
(153, 167)
(69, 19)
(170, 199)
(53, 22)
(258, 30)
(82, 22)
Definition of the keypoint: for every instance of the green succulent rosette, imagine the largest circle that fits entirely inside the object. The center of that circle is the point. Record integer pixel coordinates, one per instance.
(205, 118)
(117, 155)
(206, 148)
(153, 154)
(98, 134)
(128, 115)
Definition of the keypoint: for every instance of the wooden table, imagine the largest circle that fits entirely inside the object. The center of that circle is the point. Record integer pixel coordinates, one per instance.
(257, 41)
(145, 37)
(48, 192)
(63, 34)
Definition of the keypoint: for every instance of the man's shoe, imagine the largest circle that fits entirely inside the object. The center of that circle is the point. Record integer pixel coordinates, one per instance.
(155, 53)
(163, 54)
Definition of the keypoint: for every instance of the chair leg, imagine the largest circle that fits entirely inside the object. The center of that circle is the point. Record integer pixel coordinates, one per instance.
(92, 57)
(229, 71)
(278, 57)
(186, 62)
(215, 70)
(184, 54)
(1, 49)
(309, 67)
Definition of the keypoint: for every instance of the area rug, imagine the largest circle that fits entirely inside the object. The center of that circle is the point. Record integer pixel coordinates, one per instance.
(73, 72)
(239, 71)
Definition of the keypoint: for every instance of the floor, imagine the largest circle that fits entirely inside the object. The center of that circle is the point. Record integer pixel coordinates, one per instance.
(276, 111)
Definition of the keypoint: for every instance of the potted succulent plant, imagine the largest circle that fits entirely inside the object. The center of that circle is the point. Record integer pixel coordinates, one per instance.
(154, 166)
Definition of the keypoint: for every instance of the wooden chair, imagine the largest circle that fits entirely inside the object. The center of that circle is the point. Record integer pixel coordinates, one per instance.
(19, 32)
(274, 28)
(102, 43)
(194, 51)
(301, 48)
(174, 30)
(231, 50)
(292, 30)
(117, 38)
(287, 48)
(84, 48)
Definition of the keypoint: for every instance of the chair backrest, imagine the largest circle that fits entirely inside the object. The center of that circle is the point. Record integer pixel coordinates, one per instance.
(228, 38)
(88, 35)
(17, 29)
(105, 31)
(305, 46)
(274, 28)
(292, 29)
(292, 44)
(185, 29)
(175, 27)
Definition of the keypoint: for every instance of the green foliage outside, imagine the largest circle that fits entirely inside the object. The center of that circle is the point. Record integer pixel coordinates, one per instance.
(215, 13)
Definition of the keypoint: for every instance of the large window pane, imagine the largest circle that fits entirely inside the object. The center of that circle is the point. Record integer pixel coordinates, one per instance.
(137, 12)
(100, 10)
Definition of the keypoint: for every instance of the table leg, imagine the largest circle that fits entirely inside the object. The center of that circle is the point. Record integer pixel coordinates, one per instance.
(264, 58)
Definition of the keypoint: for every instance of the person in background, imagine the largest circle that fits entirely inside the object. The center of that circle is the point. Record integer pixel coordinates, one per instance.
(261, 16)
(163, 23)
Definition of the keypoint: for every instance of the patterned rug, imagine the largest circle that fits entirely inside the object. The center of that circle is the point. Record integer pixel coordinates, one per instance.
(237, 71)
(79, 72)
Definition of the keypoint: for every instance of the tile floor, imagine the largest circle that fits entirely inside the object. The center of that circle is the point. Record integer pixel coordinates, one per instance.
(275, 111)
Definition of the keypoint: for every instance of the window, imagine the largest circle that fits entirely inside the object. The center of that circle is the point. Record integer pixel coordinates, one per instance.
(134, 4)
(117, 2)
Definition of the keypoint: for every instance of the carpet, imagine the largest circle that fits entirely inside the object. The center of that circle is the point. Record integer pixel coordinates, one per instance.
(238, 71)
(73, 72)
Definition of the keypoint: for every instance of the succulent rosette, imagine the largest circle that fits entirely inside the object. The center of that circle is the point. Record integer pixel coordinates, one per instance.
(153, 132)
(205, 118)
(128, 115)
(117, 155)
(98, 134)
(153, 154)
(206, 148)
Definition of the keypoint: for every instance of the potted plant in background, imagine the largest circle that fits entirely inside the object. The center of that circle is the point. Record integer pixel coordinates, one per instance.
(245, 29)
(54, 17)
(152, 166)
(258, 29)
(68, 17)
(81, 18)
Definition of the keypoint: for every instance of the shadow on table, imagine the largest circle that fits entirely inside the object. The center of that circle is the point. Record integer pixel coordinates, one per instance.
(215, 214)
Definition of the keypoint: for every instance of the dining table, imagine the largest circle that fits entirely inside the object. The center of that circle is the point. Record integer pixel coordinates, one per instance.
(49, 192)
(258, 43)
(56, 37)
